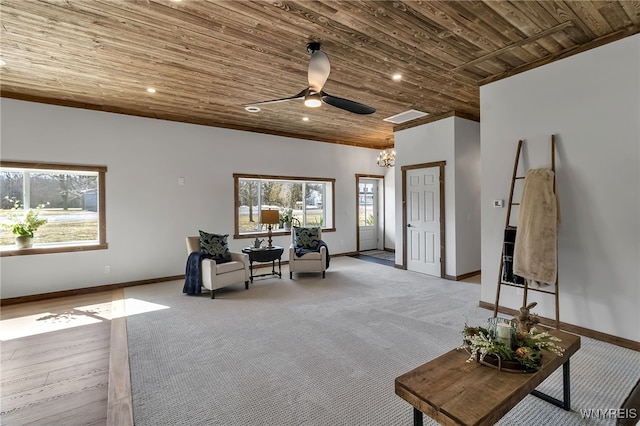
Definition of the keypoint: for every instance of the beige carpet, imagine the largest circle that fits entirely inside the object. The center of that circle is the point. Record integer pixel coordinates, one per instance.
(310, 351)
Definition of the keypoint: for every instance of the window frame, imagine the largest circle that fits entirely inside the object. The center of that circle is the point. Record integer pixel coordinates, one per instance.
(102, 217)
(236, 202)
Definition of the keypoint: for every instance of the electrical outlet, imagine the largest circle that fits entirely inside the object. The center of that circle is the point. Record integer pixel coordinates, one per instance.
(498, 203)
(107, 269)
(519, 291)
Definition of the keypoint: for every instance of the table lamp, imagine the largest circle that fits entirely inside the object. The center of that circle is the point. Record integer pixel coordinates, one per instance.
(270, 217)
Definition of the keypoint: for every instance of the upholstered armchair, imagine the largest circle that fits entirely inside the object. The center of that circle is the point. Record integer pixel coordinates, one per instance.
(313, 261)
(214, 275)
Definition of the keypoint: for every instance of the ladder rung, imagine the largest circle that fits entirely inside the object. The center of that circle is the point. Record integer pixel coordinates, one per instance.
(512, 284)
(541, 290)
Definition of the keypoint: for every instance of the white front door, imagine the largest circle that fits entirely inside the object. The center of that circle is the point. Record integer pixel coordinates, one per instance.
(423, 220)
(368, 213)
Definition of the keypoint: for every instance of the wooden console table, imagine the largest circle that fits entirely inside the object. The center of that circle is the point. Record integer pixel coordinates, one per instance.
(454, 392)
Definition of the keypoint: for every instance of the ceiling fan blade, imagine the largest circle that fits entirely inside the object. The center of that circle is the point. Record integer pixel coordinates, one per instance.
(347, 105)
(300, 95)
(319, 69)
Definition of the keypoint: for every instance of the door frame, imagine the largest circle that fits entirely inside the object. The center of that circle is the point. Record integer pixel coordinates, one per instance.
(443, 256)
(381, 192)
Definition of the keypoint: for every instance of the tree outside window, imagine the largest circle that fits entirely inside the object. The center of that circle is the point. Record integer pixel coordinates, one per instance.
(69, 197)
(304, 199)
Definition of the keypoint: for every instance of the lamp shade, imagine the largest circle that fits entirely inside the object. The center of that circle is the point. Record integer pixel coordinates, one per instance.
(270, 217)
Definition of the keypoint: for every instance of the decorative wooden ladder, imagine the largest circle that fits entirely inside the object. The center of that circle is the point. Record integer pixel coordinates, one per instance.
(526, 288)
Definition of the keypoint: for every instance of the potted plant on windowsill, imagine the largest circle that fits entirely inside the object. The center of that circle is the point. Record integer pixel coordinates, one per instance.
(24, 227)
(287, 219)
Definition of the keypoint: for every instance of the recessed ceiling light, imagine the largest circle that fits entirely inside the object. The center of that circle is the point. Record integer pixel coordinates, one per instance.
(397, 77)
(252, 109)
(151, 90)
(305, 118)
(2, 63)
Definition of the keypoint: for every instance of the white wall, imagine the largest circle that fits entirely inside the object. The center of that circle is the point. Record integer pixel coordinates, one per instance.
(148, 213)
(591, 101)
(452, 140)
(468, 200)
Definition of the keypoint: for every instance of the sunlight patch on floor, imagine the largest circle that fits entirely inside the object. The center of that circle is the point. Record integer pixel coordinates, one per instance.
(47, 322)
(137, 306)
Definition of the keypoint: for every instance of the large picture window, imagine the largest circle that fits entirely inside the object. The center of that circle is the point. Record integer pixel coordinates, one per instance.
(300, 202)
(69, 197)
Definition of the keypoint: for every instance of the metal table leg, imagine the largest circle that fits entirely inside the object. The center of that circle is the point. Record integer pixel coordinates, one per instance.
(566, 391)
(417, 417)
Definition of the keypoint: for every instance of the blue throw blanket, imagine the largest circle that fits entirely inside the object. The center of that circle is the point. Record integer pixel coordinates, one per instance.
(301, 251)
(193, 274)
(507, 259)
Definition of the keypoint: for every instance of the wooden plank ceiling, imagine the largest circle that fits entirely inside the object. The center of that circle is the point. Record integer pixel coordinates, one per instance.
(208, 59)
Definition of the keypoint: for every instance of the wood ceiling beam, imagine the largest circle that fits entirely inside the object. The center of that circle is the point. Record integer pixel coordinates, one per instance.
(528, 40)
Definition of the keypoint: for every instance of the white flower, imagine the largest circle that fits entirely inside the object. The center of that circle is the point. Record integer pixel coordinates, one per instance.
(545, 340)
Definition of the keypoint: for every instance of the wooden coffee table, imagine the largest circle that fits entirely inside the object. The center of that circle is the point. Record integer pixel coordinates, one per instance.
(454, 392)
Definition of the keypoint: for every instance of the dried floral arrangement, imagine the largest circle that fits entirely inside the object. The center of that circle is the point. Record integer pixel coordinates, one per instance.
(524, 347)
(516, 340)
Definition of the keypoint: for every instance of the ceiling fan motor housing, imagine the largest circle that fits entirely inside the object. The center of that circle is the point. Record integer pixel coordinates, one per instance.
(312, 47)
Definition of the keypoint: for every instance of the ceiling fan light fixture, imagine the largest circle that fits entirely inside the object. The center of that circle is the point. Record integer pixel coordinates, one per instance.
(313, 100)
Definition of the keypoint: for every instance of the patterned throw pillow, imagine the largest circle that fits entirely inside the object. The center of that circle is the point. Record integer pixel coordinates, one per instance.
(216, 245)
(306, 237)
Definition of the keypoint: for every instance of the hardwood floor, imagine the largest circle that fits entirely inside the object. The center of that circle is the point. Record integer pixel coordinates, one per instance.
(475, 279)
(55, 361)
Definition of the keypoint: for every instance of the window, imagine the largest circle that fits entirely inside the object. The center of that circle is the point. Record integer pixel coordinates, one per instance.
(309, 201)
(365, 203)
(70, 197)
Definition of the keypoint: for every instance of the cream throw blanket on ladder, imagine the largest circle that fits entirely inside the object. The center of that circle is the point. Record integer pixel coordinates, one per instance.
(535, 254)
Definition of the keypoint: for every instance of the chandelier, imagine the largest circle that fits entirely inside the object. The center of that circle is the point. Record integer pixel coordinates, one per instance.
(387, 157)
